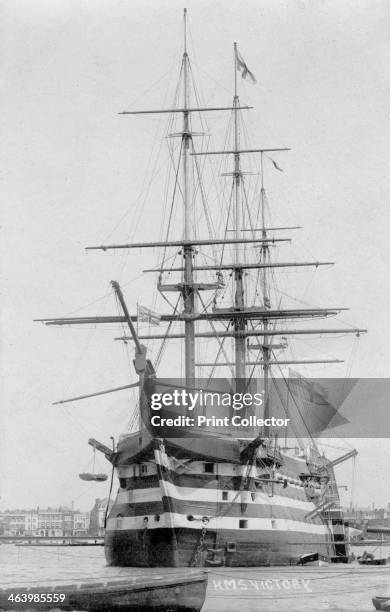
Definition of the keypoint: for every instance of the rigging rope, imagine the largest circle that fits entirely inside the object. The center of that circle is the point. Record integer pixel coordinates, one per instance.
(173, 201)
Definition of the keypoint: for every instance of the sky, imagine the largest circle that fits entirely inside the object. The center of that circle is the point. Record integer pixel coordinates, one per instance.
(73, 175)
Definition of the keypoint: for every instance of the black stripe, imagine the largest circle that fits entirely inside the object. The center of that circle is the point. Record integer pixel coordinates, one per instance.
(210, 481)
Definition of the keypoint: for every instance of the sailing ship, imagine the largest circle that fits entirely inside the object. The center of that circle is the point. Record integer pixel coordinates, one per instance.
(193, 496)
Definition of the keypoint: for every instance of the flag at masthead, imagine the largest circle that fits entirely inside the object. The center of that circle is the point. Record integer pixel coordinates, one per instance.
(243, 68)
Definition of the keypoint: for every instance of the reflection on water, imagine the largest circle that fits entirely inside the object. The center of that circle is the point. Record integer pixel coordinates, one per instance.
(32, 564)
(343, 588)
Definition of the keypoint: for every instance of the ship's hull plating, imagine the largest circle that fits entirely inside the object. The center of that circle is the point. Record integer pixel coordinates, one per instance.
(178, 548)
(184, 512)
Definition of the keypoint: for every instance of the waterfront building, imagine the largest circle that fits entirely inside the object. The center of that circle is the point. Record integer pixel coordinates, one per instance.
(61, 521)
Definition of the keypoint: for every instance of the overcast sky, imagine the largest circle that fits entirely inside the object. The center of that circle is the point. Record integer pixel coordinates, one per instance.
(73, 175)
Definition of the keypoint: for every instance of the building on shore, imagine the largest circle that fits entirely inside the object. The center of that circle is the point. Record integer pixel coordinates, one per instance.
(54, 522)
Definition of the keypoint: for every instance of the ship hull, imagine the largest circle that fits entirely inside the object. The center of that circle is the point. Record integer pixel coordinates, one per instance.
(179, 548)
(186, 511)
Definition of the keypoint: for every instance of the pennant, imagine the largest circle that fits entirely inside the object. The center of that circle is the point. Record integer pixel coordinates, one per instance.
(145, 315)
(243, 68)
(276, 165)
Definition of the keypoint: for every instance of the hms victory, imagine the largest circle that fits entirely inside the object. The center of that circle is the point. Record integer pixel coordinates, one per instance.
(205, 492)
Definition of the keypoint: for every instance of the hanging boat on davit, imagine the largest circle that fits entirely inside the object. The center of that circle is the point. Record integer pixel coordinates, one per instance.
(89, 476)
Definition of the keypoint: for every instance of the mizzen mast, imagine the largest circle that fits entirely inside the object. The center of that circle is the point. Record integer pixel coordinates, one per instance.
(239, 303)
(265, 347)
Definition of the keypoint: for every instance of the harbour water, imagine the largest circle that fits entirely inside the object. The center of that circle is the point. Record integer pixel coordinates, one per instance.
(339, 588)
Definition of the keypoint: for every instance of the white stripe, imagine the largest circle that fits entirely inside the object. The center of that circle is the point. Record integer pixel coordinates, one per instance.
(277, 526)
(162, 458)
(136, 496)
(209, 495)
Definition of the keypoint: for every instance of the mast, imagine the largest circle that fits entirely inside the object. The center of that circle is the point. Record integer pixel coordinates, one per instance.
(188, 288)
(266, 300)
(239, 325)
(185, 134)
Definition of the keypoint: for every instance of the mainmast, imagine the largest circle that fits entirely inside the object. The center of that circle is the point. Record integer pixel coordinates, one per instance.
(188, 285)
(239, 325)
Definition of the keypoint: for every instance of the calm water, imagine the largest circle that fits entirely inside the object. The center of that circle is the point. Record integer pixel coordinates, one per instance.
(333, 588)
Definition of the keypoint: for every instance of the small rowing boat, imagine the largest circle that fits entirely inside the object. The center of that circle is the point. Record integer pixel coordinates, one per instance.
(369, 559)
(313, 560)
(185, 590)
(381, 603)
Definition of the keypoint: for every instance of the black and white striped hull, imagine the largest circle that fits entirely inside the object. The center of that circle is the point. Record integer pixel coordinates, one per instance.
(186, 517)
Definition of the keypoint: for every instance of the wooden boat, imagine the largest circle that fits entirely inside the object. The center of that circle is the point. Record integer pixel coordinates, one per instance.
(381, 603)
(93, 477)
(382, 561)
(369, 559)
(179, 591)
(313, 560)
